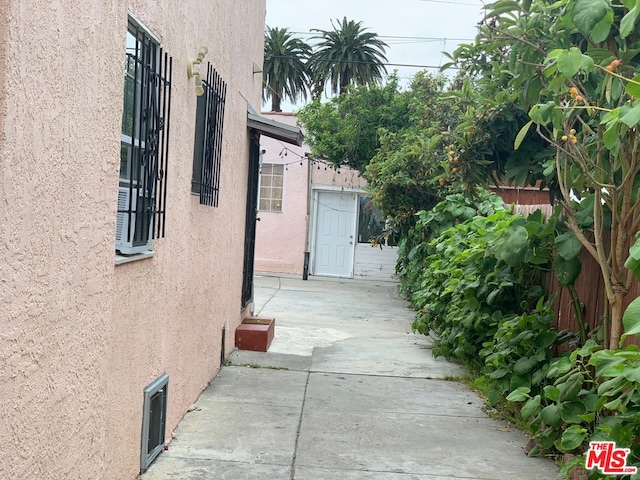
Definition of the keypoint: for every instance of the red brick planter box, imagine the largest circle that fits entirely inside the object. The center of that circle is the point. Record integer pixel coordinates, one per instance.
(255, 333)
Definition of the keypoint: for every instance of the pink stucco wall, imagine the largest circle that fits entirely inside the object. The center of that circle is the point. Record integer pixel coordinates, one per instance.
(81, 337)
(344, 178)
(281, 236)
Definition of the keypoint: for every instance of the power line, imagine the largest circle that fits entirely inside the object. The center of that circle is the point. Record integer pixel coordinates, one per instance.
(410, 65)
(362, 62)
(480, 4)
(405, 38)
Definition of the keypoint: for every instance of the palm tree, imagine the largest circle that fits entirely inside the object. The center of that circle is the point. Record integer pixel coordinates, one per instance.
(347, 54)
(285, 71)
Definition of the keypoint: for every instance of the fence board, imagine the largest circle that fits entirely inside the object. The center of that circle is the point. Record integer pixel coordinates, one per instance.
(589, 285)
(590, 290)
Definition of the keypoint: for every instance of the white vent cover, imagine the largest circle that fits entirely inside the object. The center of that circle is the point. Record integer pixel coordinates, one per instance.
(154, 416)
(125, 228)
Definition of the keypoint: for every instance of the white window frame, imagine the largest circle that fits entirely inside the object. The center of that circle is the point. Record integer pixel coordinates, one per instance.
(271, 188)
(124, 246)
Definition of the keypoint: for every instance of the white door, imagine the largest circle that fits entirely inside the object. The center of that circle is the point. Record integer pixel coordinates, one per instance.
(335, 230)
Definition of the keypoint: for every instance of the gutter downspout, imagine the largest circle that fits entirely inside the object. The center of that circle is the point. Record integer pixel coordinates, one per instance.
(307, 254)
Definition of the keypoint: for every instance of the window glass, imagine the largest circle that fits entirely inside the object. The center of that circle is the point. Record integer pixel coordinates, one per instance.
(144, 141)
(271, 186)
(370, 221)
(372, 224)
(133, 122)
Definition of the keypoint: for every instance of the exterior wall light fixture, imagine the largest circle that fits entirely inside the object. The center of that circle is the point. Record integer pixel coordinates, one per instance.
(193, 72)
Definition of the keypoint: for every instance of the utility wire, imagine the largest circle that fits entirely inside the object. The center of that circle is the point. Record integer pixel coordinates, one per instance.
(362, 62)
(479, 4)
(401, 38)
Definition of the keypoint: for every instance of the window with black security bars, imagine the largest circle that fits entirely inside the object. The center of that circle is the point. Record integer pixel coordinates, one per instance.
(207, 152)
(144, 142)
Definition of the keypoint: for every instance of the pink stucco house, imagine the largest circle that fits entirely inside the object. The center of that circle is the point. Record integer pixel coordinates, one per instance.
(129, 162)
(315, 219)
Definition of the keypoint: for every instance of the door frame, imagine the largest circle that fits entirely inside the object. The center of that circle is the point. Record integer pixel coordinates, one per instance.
(251, 215)
(315, 194)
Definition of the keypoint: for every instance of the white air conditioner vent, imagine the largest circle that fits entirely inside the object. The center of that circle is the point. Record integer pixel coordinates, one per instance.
(126, 241)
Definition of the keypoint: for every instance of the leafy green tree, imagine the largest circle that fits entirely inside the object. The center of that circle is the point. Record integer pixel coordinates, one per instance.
(285, 71)
(347, 55)
(397, 139)
(344, 130)
(573, 66)
(413, 169)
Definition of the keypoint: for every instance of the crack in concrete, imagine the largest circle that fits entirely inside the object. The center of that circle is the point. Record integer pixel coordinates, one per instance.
(271, 297)
(295, 448)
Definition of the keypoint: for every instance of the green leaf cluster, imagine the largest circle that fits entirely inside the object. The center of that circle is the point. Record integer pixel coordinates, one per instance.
(466, 273)
(592, 395)
(396, 139)
(414, 246)
(345, 129)
(285, 72)
(477, 272)
(516, 359)
(346, 55)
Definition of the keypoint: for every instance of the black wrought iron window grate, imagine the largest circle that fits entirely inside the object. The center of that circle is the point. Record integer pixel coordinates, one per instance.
(144, 142)
(207, 152)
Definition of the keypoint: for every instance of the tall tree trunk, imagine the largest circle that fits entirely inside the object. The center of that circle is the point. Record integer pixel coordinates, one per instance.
(616, 317)
(275, 103)
(345, 78)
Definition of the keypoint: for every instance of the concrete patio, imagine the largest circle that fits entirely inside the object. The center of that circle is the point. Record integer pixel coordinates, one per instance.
(346, 391)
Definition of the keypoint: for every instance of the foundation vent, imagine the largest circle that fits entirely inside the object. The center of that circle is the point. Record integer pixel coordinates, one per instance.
(154, 420)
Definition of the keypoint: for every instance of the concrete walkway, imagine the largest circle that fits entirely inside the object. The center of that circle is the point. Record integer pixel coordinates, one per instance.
(346, 391)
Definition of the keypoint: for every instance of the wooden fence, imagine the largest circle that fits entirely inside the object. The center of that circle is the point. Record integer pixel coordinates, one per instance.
(590, 290)
(589, 285)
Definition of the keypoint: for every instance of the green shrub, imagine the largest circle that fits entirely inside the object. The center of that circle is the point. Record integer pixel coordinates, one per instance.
(476, 273)
(518, 355)
(414, 249)
(474, 281)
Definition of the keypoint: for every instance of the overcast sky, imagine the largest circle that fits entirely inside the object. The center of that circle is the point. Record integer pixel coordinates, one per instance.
(417, 31)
